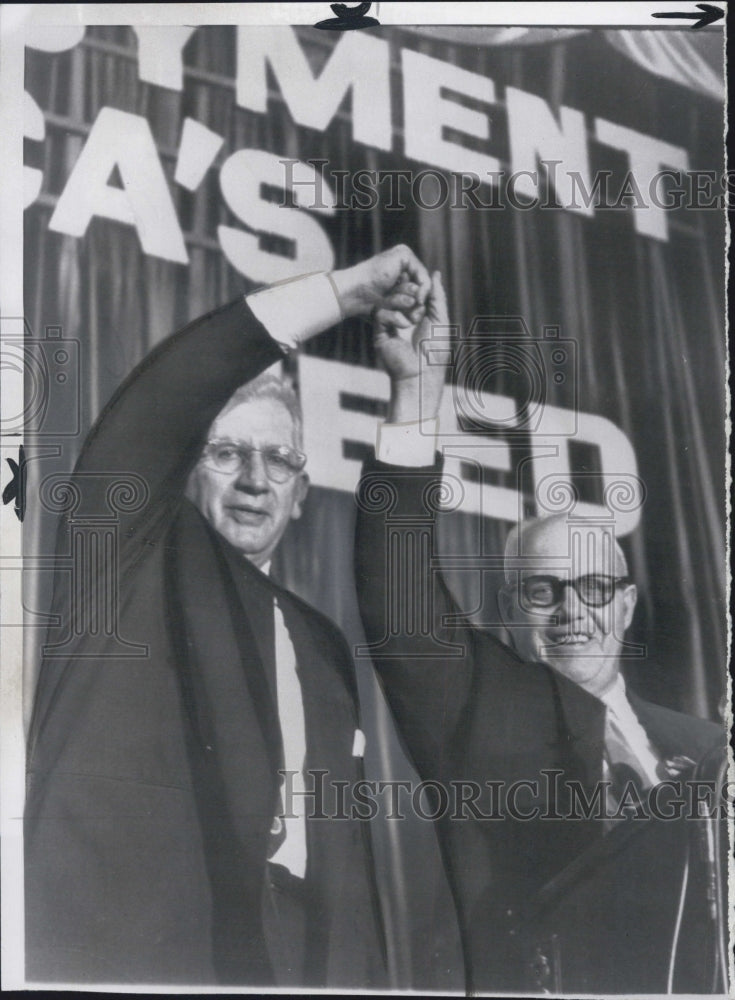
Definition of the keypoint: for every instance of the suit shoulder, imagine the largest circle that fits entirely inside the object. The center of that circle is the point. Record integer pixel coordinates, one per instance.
(688, 733)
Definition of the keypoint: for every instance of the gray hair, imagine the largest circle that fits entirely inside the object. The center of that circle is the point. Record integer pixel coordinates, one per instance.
(270, 386)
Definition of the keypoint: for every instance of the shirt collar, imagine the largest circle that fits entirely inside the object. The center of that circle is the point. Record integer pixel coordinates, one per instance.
(616, 697)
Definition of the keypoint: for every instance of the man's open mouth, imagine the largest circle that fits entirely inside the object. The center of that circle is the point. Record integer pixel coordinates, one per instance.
(571, 639)
(247, 515)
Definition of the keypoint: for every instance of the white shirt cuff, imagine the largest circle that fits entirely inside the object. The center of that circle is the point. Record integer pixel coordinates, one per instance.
(412, 444)
(296, 309)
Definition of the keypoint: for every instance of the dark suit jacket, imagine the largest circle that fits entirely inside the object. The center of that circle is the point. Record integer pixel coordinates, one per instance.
(469, 709)
(152, 779)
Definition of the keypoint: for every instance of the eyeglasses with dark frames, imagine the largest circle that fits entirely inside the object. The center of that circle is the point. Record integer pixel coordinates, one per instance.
(546, 592)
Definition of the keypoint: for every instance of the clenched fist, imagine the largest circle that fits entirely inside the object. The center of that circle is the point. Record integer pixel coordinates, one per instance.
(402, 342)
(394, 280)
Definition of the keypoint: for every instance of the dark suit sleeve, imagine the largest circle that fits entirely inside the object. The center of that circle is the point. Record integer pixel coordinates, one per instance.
(426, 663)
(153, 427)
(134, 464)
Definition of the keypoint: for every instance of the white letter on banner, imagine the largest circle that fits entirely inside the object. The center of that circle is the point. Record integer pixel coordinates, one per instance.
(360, 64)
(647, 156)
(159, 54)
(481, 453)
(34, 127)
(123, 140)
(328, 425)
(198, 149)
(534, 133)
(618, 477)
(242, 177)
(427, 113)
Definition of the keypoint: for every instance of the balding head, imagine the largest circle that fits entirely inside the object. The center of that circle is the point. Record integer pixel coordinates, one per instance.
(585, 546)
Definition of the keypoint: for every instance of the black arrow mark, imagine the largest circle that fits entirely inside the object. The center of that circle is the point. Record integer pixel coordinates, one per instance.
(348, 18)
(709, 15)
(342, 10)
(16, 488)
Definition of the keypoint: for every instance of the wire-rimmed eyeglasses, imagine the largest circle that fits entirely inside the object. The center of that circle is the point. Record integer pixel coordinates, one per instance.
(228, 457)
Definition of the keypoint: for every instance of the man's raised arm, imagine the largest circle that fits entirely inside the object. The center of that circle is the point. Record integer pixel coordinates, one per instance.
(425, 666)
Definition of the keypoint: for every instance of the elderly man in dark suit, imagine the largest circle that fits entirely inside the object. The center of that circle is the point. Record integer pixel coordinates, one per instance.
(528, 742)
(162, 844)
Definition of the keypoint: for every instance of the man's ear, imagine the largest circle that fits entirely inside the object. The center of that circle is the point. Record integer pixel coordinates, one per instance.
(191, 491)
(300, 490)
(506, 608)
(630, 599)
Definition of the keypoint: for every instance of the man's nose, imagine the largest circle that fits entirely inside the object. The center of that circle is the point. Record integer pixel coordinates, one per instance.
(571, 604)
(253, 476)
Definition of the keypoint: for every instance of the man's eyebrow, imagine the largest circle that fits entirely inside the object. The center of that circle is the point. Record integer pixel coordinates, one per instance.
(248, 444)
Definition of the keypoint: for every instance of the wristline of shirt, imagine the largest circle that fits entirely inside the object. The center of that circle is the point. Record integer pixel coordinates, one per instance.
(297, 308)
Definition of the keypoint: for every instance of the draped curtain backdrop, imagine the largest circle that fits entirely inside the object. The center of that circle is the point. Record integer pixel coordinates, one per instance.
(647, 316)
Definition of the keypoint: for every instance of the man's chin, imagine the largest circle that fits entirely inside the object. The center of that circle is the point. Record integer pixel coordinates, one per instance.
(592, 671)
(245, 541)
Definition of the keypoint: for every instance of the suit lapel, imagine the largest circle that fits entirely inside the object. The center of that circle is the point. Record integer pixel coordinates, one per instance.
(338, 879)
(224, 678)
(584, 719)
(233, 752)
(250, 597)
(666, 731)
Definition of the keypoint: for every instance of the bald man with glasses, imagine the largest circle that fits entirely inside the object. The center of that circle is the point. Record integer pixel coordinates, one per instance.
(542, 748)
